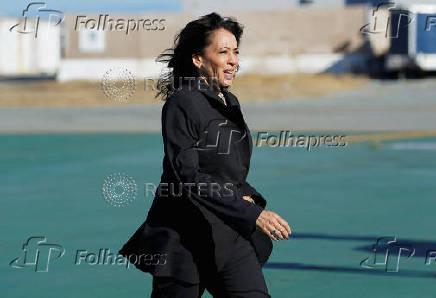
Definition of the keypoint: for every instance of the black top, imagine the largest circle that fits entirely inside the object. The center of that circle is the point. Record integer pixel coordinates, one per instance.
(198, 210)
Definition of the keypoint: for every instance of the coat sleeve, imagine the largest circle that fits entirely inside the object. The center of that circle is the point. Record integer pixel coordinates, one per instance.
(180, 135)
(249, 190)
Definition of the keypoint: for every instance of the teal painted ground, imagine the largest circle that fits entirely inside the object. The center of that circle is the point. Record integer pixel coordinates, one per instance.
(337, 201)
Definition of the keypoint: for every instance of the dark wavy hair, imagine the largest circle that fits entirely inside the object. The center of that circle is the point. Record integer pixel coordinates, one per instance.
(192, 39)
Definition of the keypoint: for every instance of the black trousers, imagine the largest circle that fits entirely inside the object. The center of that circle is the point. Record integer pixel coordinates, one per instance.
(241, 277)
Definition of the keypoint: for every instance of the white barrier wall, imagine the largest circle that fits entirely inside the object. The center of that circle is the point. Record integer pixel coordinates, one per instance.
(25, 54)
(8, 48)
(94, 69)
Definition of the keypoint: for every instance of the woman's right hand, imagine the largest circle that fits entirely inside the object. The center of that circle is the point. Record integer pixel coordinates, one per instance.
(270, 221)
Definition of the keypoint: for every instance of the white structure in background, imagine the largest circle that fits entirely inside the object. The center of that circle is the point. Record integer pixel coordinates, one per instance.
(302, 63)
(92, 41)
(414, 47)
(199, 7)
(275, 41)
(98, 43)
(282, 59)
(94, 69)
(297, 40)
(90, 53)
(413, 2)
(24, 54)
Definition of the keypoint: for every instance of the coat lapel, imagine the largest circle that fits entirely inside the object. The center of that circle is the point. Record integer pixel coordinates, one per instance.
(235, 105)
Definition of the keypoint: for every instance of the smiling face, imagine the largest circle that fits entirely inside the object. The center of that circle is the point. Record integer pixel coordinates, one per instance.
(220, 57)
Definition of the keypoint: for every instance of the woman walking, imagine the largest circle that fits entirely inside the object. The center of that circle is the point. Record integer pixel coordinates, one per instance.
(207, 227)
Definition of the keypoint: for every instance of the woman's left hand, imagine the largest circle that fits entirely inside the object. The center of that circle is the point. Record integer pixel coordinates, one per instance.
(248, 198)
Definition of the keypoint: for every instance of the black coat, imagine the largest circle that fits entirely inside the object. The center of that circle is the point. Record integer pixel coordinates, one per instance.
(190, 229)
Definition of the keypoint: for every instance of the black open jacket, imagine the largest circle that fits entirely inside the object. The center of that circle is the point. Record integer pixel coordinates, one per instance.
(188, 234)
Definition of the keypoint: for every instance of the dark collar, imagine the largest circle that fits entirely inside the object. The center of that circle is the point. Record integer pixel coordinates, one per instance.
(231, 110)
(230, 98)
(200, 85)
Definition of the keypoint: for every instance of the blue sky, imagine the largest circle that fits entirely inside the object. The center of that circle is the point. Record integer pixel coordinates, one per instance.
(15, 7)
